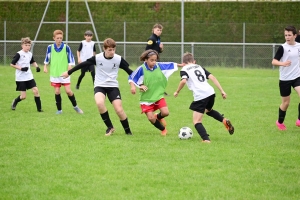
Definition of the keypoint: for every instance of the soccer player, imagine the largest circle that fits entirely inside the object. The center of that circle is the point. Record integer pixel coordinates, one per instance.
(86, 50)
(107, 65)
(151, 78)
(24, 77)
(60, 58)
(287, 58)
(196, 77)
(154, 42)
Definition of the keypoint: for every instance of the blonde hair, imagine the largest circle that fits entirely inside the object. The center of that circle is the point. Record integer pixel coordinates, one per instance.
(109, 43)
(187, 58)
(158, 26)
(146, 54)
(25, 40)
(57, 32)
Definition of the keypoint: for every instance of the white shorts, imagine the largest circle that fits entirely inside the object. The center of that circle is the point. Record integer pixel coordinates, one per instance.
(60, 79)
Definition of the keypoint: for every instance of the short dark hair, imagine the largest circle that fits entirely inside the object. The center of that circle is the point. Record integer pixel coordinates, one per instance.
(292, 29)
(88, 32)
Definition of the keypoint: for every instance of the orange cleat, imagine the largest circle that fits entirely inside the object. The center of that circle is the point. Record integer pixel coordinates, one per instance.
(164, 132)
(228, 126)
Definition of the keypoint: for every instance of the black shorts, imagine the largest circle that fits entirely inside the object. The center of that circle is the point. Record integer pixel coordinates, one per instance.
(88, 68)
(285, 86)
(112, 93)
(25, 85)
(201, 105)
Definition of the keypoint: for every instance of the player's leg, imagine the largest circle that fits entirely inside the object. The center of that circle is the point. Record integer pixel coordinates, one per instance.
(37, 99)
(216, 115)
(58, 99)
(99, 96)
(153, 120)
(21, 86)
(80, 78)
(72, 98)
(197, 120)
(114, 97)
(164, 111)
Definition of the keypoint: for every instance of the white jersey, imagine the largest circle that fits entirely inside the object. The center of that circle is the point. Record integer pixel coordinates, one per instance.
(292, 53)
(87, 50)
(197, 81)
(24, 61)
(107, 71)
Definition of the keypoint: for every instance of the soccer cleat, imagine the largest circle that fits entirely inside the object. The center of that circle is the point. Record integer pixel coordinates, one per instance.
(162, 121)
(164, 132)
(109, 131)
(77, 87)
(280, 126)
(129, 133)
(40, 110)
(59, 112)
(78, 110)
(166, 94)
(205, 141)
(228, 126)
(298, 123)
(13, 105)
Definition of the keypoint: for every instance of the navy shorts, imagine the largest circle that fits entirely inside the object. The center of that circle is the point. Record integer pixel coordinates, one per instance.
(112, 93)
(285, 87)
(201, 105)
(25, 85)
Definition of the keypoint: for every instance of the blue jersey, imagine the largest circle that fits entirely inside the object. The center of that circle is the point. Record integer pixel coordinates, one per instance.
(71, 60)
(167, 68)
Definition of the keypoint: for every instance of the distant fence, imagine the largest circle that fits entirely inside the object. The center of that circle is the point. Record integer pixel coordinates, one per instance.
(243, 55)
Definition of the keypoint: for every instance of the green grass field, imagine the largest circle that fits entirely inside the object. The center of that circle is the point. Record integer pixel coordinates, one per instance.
(49, 156)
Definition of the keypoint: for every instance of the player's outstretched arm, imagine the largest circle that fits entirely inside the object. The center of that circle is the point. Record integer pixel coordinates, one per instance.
(180, 86)
(216, 82)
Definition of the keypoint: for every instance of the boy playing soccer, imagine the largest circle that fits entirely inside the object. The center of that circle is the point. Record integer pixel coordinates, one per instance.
(107, 68)
(24, 77)
(86, 50)
(60, 58)
(196, 77)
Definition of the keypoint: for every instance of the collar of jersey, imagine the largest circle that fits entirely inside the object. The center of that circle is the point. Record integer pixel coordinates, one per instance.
(149, 68)
(60, 48)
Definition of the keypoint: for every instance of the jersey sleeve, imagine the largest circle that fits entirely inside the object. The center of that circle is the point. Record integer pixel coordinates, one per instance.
(15, 59)
(137, 76)
(80, 47)
(94, 48)
(125, 66)
(48, 54)
(149, 45)
(71, 59)
(167, 68)
(184, 75)
(279, 53)
(207, 73)
(32, 60)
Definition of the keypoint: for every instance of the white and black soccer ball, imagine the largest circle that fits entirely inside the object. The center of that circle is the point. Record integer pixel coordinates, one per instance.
(185, 133)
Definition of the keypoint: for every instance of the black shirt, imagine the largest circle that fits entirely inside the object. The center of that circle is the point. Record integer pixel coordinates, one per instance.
(153, 43)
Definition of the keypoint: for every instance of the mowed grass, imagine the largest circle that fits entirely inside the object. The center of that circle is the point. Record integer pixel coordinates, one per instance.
(49, 156)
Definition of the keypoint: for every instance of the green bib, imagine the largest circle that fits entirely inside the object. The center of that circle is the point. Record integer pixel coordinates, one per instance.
(156, 82)
(58, 61)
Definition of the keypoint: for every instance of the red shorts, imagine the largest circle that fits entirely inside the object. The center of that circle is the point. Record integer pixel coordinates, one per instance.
(59, 84)
(153, 107)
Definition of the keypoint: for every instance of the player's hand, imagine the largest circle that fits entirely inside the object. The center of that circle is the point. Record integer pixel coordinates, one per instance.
(143, 88)
(133, 90)
(224, 95)
(65, 75)
(79, 61)
(176, 94)
(24, 69)
(45, 69)
(38, 69)
(287, 63)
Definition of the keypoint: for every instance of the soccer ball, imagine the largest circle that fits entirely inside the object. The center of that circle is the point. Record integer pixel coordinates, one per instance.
(185, 133)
